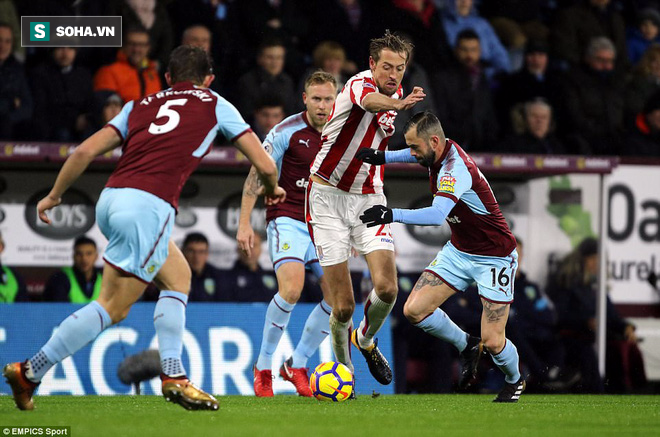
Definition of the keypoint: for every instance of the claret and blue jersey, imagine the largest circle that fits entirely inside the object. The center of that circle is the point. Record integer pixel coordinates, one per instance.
(166, 135)
(477, 224)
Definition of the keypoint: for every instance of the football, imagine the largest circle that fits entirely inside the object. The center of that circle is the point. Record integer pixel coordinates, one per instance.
(331, 381)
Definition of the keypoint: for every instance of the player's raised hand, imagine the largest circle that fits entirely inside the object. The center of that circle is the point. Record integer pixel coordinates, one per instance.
(416, 96)
(377, 215)
(371, 156)
(277, 196)
(44, 205)
(245, 239)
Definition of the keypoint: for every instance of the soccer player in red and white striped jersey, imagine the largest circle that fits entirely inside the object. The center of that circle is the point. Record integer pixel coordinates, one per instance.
(341, 186)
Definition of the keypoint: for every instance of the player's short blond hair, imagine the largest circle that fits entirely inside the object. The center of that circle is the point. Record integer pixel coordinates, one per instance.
(392, 42)
(320, 77)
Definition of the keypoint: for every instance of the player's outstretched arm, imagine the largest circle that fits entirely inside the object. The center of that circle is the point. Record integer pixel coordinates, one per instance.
(433, 215)
(376, 102)
(101, 142)
(265, 165)
(379, 157)
(251, 190)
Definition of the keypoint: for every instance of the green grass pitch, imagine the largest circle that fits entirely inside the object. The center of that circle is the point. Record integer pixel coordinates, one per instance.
(291, 416)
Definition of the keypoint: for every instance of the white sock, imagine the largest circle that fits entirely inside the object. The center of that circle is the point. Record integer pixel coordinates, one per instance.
(375, 313)
(341, 343)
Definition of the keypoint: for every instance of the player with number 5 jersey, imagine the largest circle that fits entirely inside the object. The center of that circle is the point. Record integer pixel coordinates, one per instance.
(164, 137)
(482, 250)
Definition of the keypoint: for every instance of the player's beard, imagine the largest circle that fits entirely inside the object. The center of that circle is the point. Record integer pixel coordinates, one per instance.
(427, 159)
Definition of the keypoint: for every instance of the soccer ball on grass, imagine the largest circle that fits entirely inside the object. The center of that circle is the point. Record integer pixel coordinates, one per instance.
(331, 381)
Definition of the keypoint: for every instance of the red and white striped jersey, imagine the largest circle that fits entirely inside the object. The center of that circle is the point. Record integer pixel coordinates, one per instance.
(350, 128)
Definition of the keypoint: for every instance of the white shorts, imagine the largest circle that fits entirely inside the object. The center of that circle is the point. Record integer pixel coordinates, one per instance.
(333, 217)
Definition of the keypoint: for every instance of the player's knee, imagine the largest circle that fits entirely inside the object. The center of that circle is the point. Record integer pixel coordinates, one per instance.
(413, 314)
(493, 343)
(386, 290)
(290, 293)
(118, 314)
(343, 311)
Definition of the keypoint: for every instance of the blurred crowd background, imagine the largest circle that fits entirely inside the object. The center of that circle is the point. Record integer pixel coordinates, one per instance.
(520, 76)
(525, 76)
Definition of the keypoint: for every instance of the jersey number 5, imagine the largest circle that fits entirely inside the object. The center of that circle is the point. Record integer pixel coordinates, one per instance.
(173, 117)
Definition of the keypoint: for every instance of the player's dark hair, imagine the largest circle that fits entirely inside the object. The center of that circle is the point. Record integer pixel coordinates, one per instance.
(466, 34)
(319, 77)
(427, 125)
(83, 239)
(8, 26)
(392, 42)
(195, 237)
(188, 63)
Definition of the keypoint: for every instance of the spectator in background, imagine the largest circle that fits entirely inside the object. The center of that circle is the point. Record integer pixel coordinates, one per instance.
(200, 36)
(9, 16)
(111, 106)
(247, 281)
(330, 57)
(516, 23)
(644, 139)
(537, 137)
(578, 25)
(15, 96)
(594, 101)
(80, 283)
(63, 98)
(533, 328)
(533, 80)
(642, 83)
(350, 23)
(133, 75)
(422, 24)
(253, 21)
(642, 36)
(206, 280)
(12, 286)
(267, 78)
(153, 17)
(268, 111)
(415, 76)
(460, 15)
(574, 291)
(463, 97)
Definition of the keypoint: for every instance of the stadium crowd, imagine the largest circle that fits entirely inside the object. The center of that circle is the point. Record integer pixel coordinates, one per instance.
(534, 76)
(539, 76)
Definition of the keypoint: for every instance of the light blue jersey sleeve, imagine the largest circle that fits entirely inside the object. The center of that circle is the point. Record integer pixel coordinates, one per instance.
(454, 179)
(120, 122)
(402, 155)
(230, 121)
(276, 144)
(433, 215)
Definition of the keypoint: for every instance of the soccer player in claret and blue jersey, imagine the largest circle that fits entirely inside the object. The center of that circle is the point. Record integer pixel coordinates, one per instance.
(482, 249)
(164, 137)
(293, 143)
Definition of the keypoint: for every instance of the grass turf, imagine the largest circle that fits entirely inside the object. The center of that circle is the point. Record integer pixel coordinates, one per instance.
(292, 416)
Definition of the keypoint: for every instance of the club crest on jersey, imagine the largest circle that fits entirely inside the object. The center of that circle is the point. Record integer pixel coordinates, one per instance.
(286, 246)
(446, 184)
